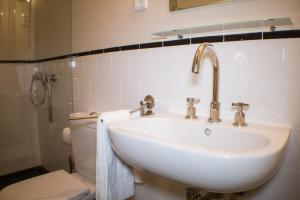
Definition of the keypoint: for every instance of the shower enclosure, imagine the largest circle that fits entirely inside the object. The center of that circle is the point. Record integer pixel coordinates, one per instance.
(35, 83)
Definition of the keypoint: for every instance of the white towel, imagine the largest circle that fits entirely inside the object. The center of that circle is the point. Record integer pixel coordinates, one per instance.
(114, 178)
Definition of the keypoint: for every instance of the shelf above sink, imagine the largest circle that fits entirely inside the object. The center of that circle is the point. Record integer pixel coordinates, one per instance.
(234, 27)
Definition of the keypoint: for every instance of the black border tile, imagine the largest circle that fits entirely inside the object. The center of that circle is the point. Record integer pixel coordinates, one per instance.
(177, 42)
(187, 41)
(151, 45)
(282, 34)
(15, 61)
(57, 58)
(130, 47)
(84, 53)
(40, 60)
(112, 49)
(197, 40)
(46, 59)
(242, 37)
(74, 55)
(6, 61)
(96, 51)
(63, 57)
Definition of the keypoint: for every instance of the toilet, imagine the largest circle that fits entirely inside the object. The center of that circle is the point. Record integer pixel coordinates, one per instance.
(60, 185)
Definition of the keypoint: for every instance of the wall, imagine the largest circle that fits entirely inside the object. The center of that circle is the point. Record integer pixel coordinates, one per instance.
(102, 23)
(46, 33)
(53, 31)
(19, 144)
(53, 37)
(54, 152)
(263, 73)
(28, 139)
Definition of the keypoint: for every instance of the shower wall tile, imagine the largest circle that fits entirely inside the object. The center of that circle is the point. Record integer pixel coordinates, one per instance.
(54, 152)
(264, 74)
(27, 137)
(19, 144)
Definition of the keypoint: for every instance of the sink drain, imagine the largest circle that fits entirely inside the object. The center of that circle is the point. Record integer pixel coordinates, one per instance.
(207, 132)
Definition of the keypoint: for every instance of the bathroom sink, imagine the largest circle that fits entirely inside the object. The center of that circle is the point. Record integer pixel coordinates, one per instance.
(216, 157)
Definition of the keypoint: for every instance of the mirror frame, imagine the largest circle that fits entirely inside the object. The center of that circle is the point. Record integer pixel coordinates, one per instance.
(175, 5)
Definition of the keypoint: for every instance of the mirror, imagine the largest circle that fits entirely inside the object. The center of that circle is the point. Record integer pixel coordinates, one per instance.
(184, 4)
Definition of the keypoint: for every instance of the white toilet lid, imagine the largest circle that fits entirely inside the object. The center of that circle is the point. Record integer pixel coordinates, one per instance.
(57, 185)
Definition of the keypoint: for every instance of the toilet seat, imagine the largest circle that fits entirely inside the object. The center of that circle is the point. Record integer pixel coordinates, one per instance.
(57, 185)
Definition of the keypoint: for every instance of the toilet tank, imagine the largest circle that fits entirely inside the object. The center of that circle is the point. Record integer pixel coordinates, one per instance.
(83, 139)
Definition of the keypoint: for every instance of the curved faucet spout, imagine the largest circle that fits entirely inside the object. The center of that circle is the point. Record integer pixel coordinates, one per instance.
(214, 106)
(199, 54)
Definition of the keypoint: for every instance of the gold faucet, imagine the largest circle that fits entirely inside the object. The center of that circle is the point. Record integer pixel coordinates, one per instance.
(239, 119)
(191, 110)
(214, 114)
(148, 104)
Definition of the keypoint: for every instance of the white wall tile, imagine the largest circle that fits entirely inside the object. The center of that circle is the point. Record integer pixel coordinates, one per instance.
(78, 106)
(242, 62)
(162, 63)
(120, 65)
(104, 65)
(268, 102)
(130, 93)
(78, 68)
(291, 61)
(40, 142)
(75, 88)
(90, 64)
(84, 88)
(19, 142)
(139, 63)
(111, 94)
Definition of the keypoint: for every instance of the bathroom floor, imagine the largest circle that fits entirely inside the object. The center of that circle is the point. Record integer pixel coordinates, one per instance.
(8, 179)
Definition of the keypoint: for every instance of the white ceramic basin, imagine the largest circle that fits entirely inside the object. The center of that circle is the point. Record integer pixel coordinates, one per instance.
(216, 157)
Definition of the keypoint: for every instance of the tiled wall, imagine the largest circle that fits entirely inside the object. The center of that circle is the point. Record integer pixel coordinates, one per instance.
(263, 73)
(27, 137)
(19, 143)
(54, 152)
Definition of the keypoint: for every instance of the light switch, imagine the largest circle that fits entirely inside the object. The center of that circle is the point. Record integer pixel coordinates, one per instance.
(140, 5)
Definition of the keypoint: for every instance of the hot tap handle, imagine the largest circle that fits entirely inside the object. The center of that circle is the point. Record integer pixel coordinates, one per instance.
(241, 105)
(148, 102)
